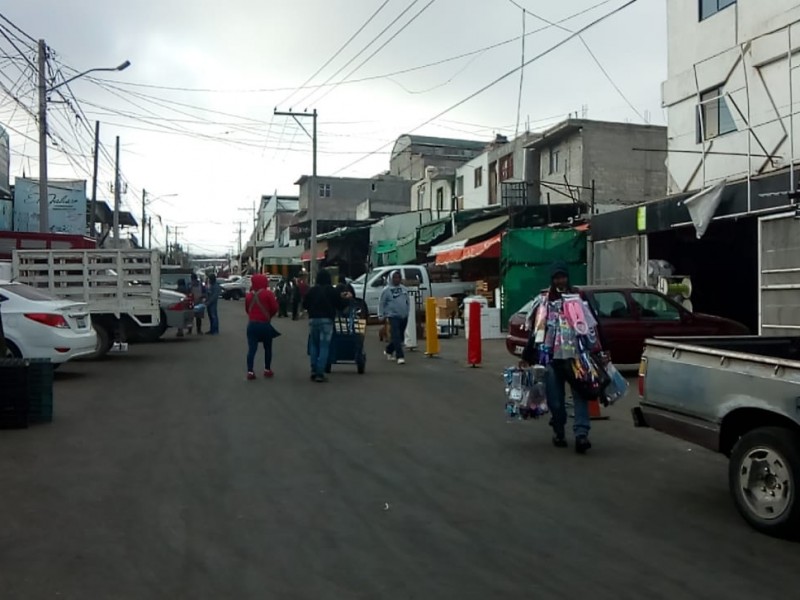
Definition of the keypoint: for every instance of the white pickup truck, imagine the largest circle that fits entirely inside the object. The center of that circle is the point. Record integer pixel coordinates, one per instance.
(376, 280)
(120, 287)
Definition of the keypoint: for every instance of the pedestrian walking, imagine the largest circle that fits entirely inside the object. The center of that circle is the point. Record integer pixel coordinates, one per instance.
(394, 307)
(212, 299)
(295, 299)
(261, 306)
(283, 297)
(198, 293)
(554, 343)
(322, 302)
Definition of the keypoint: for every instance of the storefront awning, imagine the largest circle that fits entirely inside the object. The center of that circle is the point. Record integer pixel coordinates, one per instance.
(487, 249)
(307, 255)
(470, 232)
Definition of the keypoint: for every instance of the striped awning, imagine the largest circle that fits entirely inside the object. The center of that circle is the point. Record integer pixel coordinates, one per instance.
(486, 249)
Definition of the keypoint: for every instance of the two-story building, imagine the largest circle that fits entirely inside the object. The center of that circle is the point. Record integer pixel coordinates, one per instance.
(412, 155)
(275, 217)
(729, 97)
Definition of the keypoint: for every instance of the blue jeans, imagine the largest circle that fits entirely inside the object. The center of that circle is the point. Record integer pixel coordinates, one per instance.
(320, 332)
(259, 333)
(397, 329)
(213, 318)
(555, 384)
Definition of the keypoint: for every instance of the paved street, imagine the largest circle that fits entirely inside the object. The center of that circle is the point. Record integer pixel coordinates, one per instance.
(166, 475)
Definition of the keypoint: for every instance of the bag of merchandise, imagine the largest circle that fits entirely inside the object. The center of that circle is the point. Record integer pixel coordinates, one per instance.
(525, 393)
(618, 385)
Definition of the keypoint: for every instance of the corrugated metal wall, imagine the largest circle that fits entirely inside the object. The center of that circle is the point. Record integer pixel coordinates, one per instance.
(780, 276)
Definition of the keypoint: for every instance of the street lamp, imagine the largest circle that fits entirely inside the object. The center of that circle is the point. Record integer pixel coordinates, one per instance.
(44, 217)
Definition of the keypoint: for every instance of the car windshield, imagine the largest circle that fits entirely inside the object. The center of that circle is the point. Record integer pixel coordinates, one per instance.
(526, 308)
(27, 292)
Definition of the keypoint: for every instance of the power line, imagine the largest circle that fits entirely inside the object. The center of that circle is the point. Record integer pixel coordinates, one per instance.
(501, 78)
(27, 35)
(591, 53)
(338, 52)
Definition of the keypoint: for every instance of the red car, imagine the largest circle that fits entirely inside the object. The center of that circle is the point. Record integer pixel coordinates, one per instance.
(629, 316)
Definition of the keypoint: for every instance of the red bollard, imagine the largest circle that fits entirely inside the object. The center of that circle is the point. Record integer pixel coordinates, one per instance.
(474, 340)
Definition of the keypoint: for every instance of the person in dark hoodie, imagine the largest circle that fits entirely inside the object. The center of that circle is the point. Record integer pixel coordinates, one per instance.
(261, 306)
(322, 302)
(552, 345)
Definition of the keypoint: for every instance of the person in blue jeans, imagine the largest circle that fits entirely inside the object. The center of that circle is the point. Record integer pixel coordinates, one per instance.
(553, 344)
(261, 306)
(322, 303)
(214, 291)
(394, 306)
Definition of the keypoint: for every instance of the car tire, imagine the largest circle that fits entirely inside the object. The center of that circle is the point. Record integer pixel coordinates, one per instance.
(12, 351)
(105, 341)
(763, 475)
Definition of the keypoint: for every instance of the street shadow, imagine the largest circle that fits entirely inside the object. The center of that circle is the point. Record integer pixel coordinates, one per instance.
(62, 375)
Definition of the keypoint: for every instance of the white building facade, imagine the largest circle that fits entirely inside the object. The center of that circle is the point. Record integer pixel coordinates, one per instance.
(731, 90)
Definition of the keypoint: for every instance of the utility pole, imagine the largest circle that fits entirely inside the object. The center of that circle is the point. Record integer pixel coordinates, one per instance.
(144, 213)
(239, 233)
(255, 224)
(117, 197)
(167, 248)
(149, 233)
(44, 205)
(93, 210)
(314, 192)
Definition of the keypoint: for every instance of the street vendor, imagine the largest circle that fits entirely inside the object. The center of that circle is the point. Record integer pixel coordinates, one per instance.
(564, 339)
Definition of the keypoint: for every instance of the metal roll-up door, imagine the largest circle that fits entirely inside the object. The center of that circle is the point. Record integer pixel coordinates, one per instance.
(779, 247)
(621, 262)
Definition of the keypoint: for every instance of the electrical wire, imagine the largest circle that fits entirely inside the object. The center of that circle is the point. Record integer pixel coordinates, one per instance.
(502, 77)
(337, 53)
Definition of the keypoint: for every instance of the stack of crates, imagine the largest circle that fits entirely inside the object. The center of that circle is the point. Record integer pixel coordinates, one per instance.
(15, 396)
(27, 392)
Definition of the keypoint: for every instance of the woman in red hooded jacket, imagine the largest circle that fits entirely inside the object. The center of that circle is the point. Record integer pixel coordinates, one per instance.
(261, 305)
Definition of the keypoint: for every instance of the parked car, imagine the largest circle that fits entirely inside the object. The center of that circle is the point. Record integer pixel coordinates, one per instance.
(236, 287)
(628, 316)
(737, 396)
(177, 310)
(376, 281)
(38, 325)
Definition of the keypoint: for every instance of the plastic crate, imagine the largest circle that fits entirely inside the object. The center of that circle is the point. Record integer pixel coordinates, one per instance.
(40, 391)
(15, 399)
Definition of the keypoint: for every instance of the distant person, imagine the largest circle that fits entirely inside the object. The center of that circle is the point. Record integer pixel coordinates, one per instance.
(394, 306)
(322, 302)
(283, 297)
(212, 299)
(296, 299)
(183, 289)
(302, 286)
(261, 306)
(198, 293)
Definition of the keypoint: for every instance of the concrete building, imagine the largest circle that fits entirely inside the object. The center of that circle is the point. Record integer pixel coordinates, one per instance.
(623, 162)
(730, 97)
(435, 192)
(413, 154)
(274, 215)
(730, 90)
(338, 200)
(501, 174)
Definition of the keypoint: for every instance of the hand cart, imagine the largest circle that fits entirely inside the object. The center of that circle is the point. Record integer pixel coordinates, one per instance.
(347, 343)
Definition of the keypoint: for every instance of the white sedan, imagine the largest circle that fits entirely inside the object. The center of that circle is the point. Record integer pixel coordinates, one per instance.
(37, 325)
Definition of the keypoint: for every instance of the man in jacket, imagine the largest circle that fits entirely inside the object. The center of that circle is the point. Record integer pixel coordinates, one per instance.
(394, 306)
(212, 298)
(322, 302)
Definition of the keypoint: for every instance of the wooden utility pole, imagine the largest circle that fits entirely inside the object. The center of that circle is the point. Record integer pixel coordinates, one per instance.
(144, 213)
(150, 233)
(117, 196)
(313, 192)
(93, 209)
(44, 207)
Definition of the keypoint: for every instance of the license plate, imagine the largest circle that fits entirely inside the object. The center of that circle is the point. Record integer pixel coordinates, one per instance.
(519, 350)
(81, 322)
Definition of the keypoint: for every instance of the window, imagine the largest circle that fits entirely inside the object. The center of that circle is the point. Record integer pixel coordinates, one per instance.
(611, 305)
(478, 177)
(656, 307)
(553, 161)
(324, 190)
(460, 186)
(714, 117)
(421, 197)
(440, 199)
(712, 7)
(374, 187)
(413, 275)
(507, 167)
(27, 292)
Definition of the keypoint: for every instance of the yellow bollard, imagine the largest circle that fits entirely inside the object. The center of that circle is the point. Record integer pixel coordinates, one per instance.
(431, 330)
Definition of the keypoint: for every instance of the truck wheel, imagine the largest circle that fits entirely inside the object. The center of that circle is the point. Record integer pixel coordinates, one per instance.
(104, 341)
(763, 475)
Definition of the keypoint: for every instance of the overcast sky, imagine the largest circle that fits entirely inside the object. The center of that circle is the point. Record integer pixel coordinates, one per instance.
(215, 141)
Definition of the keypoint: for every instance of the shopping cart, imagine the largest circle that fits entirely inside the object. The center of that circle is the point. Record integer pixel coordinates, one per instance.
(347, 343)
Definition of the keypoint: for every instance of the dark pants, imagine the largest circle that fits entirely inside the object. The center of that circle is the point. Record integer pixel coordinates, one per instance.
(283, 307)
(213, 318)
(295, 309)
(397, 331)
(259, 333)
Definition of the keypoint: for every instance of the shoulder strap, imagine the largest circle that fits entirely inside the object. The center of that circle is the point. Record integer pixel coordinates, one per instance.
(257, 300)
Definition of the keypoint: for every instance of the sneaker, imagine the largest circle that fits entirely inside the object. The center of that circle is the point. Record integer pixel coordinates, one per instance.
(559, 441)
(320, 379)
(268, 373)
(250, 376)
(401, 361)
(388, 356)
(582, 444)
